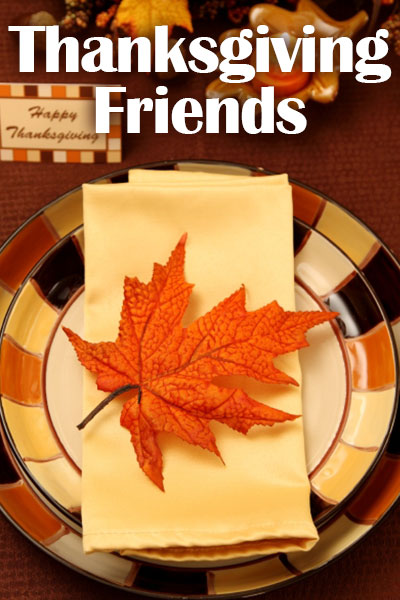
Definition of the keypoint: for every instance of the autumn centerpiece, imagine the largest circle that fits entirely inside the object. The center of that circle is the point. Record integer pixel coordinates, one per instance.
(166, 370)
(319, 86)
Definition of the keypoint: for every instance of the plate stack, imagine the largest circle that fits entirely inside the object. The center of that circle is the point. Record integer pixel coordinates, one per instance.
(350, 393)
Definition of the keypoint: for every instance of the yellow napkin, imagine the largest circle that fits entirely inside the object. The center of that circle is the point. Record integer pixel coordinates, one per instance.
(200, 177)
(239, 231)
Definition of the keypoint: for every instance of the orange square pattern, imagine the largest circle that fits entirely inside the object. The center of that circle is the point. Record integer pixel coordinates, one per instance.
(307, 205)
(20, 374)
(378, 493)
(5, 91)
(114, 131)
(30, 514)
(58, 91)
(73, 156)
(372, 360)
(15, 262)
(19, 154)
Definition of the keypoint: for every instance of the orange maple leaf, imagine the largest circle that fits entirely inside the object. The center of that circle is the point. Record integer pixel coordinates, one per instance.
(172, 368)
(139, 17)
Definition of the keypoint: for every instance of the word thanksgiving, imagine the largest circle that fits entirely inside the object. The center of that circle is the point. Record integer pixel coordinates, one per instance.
(205, 55)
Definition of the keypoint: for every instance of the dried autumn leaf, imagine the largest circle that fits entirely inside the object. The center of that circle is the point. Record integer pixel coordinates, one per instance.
(172, 368)
(139, 17)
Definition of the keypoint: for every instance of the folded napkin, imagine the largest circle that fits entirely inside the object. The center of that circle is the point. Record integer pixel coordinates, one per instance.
(200, 177)
(239, 232)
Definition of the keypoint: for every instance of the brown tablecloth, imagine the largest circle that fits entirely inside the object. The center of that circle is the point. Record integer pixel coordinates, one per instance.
(350, 150)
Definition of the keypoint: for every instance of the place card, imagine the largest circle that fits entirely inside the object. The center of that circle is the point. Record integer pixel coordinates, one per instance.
(55, 123)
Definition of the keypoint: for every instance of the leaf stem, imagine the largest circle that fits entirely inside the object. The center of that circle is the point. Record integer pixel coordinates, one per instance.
(107, 400)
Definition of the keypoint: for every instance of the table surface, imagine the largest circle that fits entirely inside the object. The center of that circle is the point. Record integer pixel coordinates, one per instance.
(350, 151)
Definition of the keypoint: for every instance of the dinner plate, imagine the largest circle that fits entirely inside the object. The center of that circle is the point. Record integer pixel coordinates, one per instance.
(350, 392)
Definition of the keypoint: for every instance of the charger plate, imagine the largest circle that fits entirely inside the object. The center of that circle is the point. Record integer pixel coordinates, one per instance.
(350, 393)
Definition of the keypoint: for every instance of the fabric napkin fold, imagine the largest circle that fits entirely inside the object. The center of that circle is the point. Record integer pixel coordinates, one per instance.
(201, 177)
(239, 232)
